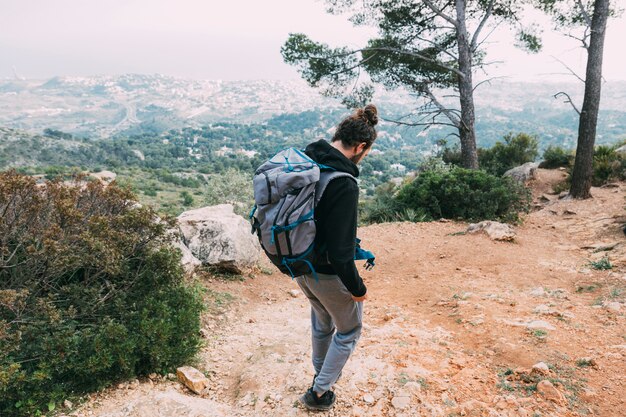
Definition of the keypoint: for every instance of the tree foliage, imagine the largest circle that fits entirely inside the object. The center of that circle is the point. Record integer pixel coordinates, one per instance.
(422, 46)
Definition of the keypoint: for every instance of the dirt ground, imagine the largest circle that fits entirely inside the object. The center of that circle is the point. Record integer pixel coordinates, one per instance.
(454, 324)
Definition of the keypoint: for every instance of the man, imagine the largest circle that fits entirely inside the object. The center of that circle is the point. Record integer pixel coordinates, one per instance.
(337, 295)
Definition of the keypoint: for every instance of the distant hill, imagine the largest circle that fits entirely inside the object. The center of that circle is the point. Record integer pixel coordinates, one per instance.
(131, 104)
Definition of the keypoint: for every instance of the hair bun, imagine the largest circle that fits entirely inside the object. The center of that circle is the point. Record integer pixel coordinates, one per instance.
(371, 114)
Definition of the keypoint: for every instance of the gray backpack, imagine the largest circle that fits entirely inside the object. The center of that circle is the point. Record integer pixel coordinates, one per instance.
(287, 188)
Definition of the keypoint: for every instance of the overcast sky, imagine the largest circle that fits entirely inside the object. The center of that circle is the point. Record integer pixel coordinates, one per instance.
(221, 39)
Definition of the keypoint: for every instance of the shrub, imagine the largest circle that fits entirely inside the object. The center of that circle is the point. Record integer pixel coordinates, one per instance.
(464, 194)
(385, 208)
(555, 157)
(515, 151)
(91, 292)
(608, 165)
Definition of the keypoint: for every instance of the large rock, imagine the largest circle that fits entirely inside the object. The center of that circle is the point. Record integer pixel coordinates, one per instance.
(192, 378)
(189, 261)
(550, 392)
(524, 172)
(495, 230)
(217, 236)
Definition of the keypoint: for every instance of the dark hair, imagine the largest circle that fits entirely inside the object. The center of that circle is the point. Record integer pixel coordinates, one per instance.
(358, 127)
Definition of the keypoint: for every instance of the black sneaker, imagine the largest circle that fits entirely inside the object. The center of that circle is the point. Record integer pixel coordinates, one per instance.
(323, 403)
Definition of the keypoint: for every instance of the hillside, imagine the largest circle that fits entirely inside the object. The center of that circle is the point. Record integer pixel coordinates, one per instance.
(453, 326)
(135, 104)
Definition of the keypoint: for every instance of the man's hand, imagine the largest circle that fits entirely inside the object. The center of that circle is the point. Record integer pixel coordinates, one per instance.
(361, 298)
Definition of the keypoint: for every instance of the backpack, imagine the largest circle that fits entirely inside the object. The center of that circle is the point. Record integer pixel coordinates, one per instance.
(287, 188)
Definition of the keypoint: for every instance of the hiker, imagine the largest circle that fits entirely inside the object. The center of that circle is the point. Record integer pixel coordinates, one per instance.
(337, 291)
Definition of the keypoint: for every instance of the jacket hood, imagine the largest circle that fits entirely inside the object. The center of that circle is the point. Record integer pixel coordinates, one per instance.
(323, 153)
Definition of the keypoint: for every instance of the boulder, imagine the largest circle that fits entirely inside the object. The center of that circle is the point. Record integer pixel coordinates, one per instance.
(189, 261)
(495, 230)
(550, 392)
(217, 236)
(524, 172)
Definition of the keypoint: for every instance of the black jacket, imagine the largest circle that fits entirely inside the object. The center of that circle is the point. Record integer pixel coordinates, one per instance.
(336, 217)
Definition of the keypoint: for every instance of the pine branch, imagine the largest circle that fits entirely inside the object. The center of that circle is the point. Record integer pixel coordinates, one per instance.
(569, 100)
(474, 42)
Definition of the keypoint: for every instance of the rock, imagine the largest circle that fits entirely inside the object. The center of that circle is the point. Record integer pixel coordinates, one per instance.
(602, 247)
(413, 387)
(538, 292)
(357, 412)
(587, 361)
(368, 399)
(588, 395)
(621, 150)
(543, 309)
(189, 261)
(153, 376)
(217, 236)
(495, 230)
(524, 172)
(613, 305)
(294, 293)
(549, 392)
(401, 403)
(540, 324)
(68, 404)
(540, 368)
(192, 378)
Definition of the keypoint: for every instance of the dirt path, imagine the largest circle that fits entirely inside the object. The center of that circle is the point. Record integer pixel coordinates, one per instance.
(453, 327)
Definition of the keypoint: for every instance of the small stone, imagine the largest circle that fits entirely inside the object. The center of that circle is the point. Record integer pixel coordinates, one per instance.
(542, 309)
(192, 379)
(401, 403)
(549, 392)
(413, 387)
(357, 412)
(587, 361)
(537, 292)
(540, 324)
(294, 293)
(68, 404)
(153, 376)
(251, 320)
(540, 368)
(588, 395)
(368, 399)
(613, 305)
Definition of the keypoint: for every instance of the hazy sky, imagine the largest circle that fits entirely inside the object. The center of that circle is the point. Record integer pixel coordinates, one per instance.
(220, 39)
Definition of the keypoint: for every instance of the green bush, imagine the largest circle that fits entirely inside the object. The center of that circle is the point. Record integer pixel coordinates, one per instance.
(515, 151)
(91, 292)
(464, 194)
(556, 157)
(385, 208)
(608, 165)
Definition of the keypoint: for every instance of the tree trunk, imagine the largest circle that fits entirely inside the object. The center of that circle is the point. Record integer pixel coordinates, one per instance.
(583, 165)
(467, 133)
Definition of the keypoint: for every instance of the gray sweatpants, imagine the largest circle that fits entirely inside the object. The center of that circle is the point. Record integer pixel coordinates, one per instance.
(332, 308)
